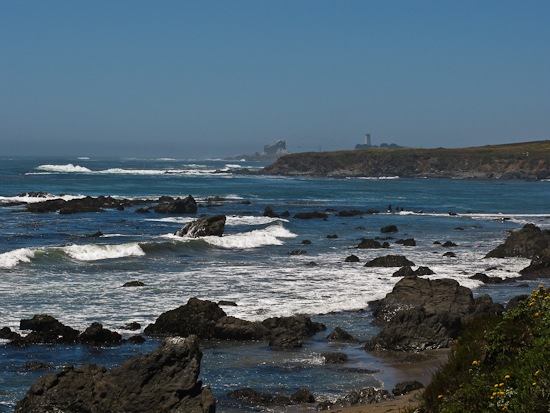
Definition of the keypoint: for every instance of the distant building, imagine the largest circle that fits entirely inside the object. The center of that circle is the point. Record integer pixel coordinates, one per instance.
(368, 144)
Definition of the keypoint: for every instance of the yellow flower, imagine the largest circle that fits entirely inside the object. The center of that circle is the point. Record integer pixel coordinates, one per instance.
(474, 363)
(507, 376)
(440, 396)
(501, 384)
(537, 314)
(534, 383)
(496, 386)
(537, 372)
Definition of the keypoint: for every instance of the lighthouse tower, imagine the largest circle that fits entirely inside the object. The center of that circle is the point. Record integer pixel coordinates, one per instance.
(367, 140)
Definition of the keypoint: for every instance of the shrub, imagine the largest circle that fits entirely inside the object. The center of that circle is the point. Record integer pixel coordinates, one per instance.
(498, 364)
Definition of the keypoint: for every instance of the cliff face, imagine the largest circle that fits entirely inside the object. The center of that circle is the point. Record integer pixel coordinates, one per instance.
(514, 161)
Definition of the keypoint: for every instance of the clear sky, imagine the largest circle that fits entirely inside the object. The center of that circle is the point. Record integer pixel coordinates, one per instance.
(215, 78)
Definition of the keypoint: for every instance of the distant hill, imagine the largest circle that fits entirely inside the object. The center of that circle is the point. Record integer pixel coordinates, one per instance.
(527, 160)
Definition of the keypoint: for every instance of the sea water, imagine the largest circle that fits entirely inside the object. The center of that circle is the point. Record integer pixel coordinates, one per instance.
(49, 264)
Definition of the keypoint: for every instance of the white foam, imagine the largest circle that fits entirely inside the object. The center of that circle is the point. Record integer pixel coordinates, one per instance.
(68, 168)
(33, 199)
(252, 239)
(83, 158)
(232, 220)
(11, 259)
(94, 252)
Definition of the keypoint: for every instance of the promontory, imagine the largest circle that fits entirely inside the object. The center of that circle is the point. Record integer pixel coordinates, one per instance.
(527, 160)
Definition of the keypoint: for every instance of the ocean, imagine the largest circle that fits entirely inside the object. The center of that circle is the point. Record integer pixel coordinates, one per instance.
(49, 264)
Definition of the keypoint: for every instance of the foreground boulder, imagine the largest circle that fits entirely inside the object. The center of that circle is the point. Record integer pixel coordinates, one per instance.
(422, 314)
(212, 225)
(208, 321)
(162, 381)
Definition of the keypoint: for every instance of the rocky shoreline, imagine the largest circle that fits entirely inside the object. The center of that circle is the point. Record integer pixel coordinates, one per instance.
(527, 161)
(419, 315)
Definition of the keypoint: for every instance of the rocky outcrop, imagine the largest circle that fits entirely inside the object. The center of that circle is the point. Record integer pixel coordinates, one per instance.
(255, 398)
(405, 387)
(169, 205)
(367, 395)
(311, 215)
(212, 225)
(98, 336)
(539, 267)
(46, 329)
(339, 334)
(165, 380)
(389, 261)
(528, 160)
(208, 321)
(424, 314)
(528, 242)
(369, 243)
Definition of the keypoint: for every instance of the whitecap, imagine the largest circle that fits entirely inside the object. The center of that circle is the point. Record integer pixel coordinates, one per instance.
(95, 252)
(11, 259)
(253, 239)
(68, 168)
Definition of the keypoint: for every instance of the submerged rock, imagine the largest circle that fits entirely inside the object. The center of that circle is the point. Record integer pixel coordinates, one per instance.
(165, 380)
(168, 205)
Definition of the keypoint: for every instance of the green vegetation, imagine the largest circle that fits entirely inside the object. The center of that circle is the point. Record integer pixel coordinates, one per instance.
(498, 364)
(529, 160)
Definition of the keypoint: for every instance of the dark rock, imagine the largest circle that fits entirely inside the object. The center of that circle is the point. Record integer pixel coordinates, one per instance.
(405, 271)
(350, 213)
(297, 252)
(389, 229)
(332, 236)
(352, 258)
(251, 396)
(341, 335)
(424, 314)
(444, 295)
(539, 267)
(485, 279)
(514, 302)
(187, 205)
(7, 334)
(165, 380)
(436, 243)
(134, 284)
(528, 242)
(96, 335)
(311, 215)
(208, 321)
(367, 243)
(289, 332)
(133, 326)
(405, 387)
(268, 212)
(449, 244)
(367, 395)
(449, 254)
(416, 330)
(212, 225)
(227, 303)
(420, 271)
(334, 358)
(306, 242)
(136, 339)
(389, 261)
(408, 242)
(197, 317)
(142, 211)
(311, 264)
(302, 396)
(37, 366)
(95, 235)
(46, 330)
(285, 214)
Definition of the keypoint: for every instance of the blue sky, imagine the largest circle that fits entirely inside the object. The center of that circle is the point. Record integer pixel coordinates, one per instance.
(216, 78)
